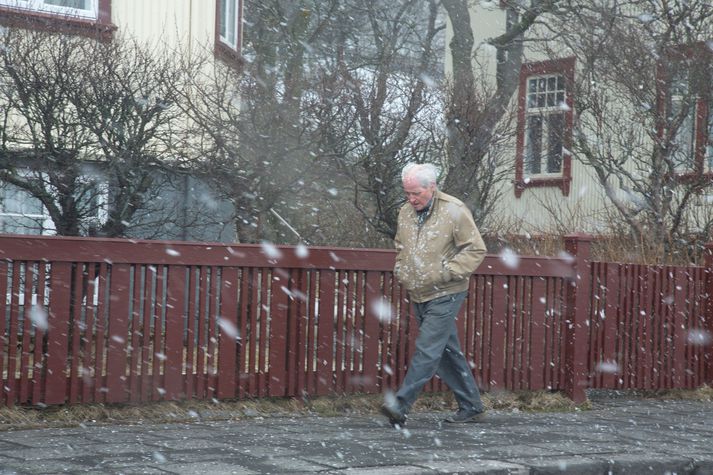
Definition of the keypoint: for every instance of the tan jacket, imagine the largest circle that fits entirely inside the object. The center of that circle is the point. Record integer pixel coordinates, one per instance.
(437, 258)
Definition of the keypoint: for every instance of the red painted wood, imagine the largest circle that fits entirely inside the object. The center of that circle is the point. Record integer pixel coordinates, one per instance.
(175, 314)
(191, 331)
(158, 348)
(370, 348)
(212, 376)
(577, 301)
(325, 333)
(57, 344)
(263, 343)
(277, 357)
(654, 325)
(708, 324)
(513, 337)
(608, 320)
(350, 371)
(10, 384)
(538, 321)
(294, 302)
(118, 331)
(25, 365)
(147, 353)
(135, 332)
(681, 327)
(202, 342)
(38, 372)
(243, 358)
(481, 334)
(100, 341)
(227, 346)
(498, 334)
(75, 350)
(4, 294)
(629, 332)
(359, 332)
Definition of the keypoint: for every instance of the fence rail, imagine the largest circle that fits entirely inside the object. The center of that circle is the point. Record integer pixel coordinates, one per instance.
(108, 320)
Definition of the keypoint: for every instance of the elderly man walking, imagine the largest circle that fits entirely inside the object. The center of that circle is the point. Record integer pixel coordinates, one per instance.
(438, 247)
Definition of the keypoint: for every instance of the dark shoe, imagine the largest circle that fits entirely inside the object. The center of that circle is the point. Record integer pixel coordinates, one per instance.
(395, 417)
(466, 415)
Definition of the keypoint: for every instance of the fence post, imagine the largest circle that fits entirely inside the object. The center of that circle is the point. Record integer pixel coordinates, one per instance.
(577, 300)
(708, 316)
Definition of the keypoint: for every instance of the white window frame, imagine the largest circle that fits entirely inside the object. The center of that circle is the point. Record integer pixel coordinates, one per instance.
(684, 155)
(42, 218)
(230, 18)
(47, 225)
(41, 6)
(708, 158)
(550, 108)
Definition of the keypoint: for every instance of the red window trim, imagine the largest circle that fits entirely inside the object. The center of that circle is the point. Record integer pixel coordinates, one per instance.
(565, 67)
(701, 109)
(101, 28)
(223, 51)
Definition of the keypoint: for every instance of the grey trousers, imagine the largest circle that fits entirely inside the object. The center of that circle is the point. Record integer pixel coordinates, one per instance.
(438, 352)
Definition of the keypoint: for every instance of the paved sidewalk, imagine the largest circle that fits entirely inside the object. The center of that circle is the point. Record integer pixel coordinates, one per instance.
(617, 436)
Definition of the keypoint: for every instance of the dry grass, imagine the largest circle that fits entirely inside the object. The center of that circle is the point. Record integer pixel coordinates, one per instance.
(92, 414)
(608, 248)
(162, 412)
(704, 393)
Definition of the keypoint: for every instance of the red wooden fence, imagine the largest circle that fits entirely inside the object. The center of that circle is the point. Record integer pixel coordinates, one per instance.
(105, 320)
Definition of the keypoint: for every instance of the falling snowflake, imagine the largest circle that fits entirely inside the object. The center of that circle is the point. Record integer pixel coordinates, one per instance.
(510, 258)
(381, 308)
(38, 316)
(270, 250)
(301, 251)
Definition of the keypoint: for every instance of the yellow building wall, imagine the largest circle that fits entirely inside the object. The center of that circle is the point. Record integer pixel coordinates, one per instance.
(532, 211)
(188, 24)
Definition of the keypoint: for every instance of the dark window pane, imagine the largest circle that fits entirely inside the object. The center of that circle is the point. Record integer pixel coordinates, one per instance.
(542, 85)
(560, 98)
(532, 100)
(560, 83)
(533, 153)
(532, 85)
(550, 99)
(555, 129)
(551, 83)
(79, 4)
(223, 25)
(540, 100)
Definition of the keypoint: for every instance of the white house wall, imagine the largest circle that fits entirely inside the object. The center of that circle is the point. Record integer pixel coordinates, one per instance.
(170, 23)
(583, 208)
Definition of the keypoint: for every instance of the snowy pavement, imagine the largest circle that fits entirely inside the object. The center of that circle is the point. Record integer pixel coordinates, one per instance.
(618, 435)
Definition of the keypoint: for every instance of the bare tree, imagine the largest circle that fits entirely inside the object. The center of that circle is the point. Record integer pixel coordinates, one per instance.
(88, 126)
(645, 75)
(379, 107)
(478, 118)
(254, 133)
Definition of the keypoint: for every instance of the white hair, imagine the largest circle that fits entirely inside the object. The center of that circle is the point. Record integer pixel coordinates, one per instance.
(425, 173)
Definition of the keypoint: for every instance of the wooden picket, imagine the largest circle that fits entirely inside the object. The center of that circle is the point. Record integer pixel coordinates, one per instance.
(116, 321)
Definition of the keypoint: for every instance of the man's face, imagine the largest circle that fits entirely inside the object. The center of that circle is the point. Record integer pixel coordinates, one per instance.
(417, 195)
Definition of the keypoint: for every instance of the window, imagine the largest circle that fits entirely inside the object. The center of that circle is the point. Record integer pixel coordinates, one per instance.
(229, 29)
(544, 126)
(76, 8)
(709, 142)
(77, 17)
(229, 22)
(686, 102)
(20, 212)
